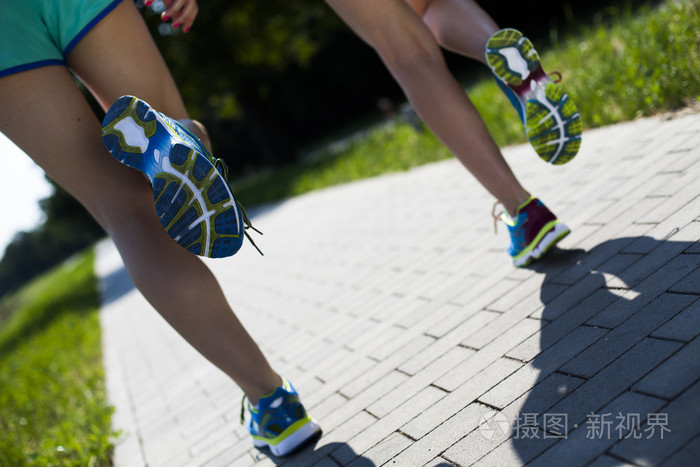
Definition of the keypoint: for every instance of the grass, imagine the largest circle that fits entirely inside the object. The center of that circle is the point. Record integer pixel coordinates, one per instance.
(384, 149)
(636, 63)
(625, 65)
(53, 407)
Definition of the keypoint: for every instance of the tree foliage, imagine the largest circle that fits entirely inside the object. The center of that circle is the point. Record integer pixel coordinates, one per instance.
(268, 77)
(68, 228)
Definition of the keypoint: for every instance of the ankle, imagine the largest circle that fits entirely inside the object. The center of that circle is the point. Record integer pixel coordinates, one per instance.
(512, 205)
(264, 389)
(197, 129)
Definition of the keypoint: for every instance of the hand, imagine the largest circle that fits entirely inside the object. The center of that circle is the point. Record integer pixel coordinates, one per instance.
(181, 12)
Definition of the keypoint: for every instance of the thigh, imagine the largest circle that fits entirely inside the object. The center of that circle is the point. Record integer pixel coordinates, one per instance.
(46, 115)
(118, 57)
(392, 27)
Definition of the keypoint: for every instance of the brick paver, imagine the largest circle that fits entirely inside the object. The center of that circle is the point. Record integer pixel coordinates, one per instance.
(393, 308)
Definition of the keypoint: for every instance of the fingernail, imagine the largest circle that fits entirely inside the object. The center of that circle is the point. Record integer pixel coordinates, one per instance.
(176, 25)
(187, 29)
(149, 2)
(166, 18)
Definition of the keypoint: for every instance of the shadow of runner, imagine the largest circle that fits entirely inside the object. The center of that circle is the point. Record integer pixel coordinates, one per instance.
(115, 285)
(310, 455)
(602, 309)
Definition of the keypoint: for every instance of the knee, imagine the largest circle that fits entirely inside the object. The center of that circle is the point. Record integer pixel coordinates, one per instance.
(436, 27)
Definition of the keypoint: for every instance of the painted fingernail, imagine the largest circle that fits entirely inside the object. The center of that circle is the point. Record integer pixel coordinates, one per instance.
(187, 29)
(176, 25)
(166, 18)
(149, 2)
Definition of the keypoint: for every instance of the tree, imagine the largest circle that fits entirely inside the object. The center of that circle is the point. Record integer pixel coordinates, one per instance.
(68, 228)
(239, 54)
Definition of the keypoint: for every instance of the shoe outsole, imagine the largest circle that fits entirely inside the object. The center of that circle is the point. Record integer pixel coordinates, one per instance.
(192, 198)
(291, 443)
(552, 121)
(546, 241)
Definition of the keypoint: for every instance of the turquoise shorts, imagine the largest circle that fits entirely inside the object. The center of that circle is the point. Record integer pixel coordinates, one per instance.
(36, 33)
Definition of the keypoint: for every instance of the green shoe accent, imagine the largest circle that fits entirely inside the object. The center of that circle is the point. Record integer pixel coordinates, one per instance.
(190, 189)
(279, 421)
(511, 56)
(552, 122)
(553, 125)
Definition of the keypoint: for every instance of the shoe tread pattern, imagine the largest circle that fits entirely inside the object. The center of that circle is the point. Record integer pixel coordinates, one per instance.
(552, 122)
(191, 197)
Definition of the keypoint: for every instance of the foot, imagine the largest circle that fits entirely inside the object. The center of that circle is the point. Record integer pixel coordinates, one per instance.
(551, 118)
(280, 422)
(192, 197)
(534, 230)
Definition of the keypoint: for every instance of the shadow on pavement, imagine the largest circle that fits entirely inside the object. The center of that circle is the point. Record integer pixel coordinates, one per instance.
(115, 285)
(312, 454)
(601, 310)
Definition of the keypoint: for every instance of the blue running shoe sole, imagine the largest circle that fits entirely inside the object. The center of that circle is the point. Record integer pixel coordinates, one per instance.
(192, 197)
(551, 119)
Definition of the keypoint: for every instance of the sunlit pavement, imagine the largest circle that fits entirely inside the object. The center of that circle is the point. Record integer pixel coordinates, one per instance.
(393, 308)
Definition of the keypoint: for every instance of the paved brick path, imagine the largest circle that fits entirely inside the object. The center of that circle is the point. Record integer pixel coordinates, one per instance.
(391, 305)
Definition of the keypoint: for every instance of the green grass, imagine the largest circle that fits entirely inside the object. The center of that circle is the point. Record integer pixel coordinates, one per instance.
(53, 407)
(384, 149)
(625, 65)
(636, 63)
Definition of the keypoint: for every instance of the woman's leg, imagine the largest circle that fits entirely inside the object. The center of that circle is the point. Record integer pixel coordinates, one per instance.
(69, 148)
(552, 122)
(460, 26)
(118, 57)
(412, 55)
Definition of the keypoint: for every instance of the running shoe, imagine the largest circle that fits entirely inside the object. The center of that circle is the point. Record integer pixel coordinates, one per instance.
(551, 119)
(190, 189)
(279, 421)
(534, 230)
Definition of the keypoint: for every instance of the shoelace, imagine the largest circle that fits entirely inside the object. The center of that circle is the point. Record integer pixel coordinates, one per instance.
(497, 217)
(551, 75)
(243, 409)
(220, 165)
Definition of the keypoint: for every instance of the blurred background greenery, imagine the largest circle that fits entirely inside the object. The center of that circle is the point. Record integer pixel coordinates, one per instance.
(290, 95)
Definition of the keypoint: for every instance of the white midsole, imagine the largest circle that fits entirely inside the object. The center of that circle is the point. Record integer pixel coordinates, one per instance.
(292, 441)
(543, 245)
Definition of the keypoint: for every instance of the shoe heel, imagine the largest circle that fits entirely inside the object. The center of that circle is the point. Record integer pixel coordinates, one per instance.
(297, 440)
(110, 137)
(511, 56)
(117, 109)
(126, 129)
